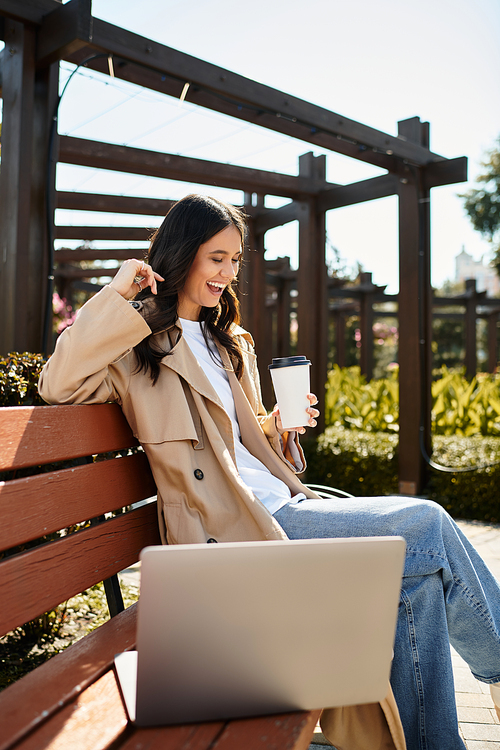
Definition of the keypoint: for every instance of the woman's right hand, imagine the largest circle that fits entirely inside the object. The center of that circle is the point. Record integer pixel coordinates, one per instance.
(125, 280)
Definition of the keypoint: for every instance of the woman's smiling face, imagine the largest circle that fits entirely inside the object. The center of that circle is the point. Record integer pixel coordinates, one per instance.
(214, 267)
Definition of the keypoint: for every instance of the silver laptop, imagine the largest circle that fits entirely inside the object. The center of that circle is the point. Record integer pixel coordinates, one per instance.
(252, 628)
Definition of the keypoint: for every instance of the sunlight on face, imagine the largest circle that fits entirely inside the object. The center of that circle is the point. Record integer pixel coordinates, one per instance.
(214, 267)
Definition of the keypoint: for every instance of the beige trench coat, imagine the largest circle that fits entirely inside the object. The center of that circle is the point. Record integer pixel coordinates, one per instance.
(188, 438)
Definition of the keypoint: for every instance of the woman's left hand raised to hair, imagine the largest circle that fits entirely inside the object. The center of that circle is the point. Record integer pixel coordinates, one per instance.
(134, 276)
(310, 410)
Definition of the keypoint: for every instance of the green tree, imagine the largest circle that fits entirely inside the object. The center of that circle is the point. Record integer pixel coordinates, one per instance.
(483, 203)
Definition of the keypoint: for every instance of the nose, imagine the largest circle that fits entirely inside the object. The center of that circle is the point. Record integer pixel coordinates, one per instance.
(227, 270)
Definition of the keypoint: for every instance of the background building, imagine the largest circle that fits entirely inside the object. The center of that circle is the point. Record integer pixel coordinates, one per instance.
(468, 268)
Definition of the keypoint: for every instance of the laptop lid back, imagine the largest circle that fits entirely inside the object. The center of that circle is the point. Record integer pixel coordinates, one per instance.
(228, 630)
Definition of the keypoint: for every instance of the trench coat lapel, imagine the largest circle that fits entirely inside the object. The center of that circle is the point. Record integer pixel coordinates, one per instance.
(181, 360)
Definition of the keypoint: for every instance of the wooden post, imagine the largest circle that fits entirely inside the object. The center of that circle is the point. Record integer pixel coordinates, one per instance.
(255, 317)
(339, 322)
(493, 340)
(312, 284)
(283, 285)
(28, 103)
(15, 185)
(252, 282)
(472, 299)
(43, 194)
(367, 289)
(415, 310)
(246, 273)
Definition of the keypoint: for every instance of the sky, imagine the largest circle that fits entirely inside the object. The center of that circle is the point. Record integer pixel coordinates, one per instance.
(374, 62)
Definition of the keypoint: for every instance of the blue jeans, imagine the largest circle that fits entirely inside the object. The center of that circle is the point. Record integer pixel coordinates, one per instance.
(448, 596)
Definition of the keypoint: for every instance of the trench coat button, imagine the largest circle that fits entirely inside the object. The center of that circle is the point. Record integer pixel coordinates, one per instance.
(198, 474)
(211, 541)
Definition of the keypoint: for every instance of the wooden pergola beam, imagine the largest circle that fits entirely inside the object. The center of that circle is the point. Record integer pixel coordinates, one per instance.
(447, 172)
(89, 234)
(72, 272)
(74, 256)
(32, 11)
(64, 30)
(246, 92)
(358, 192)
(173, 167)
(120, 204)
(71, 29)
(269, 218)
(171, 86)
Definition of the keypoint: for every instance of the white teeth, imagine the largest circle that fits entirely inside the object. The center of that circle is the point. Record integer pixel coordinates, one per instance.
(217, 286)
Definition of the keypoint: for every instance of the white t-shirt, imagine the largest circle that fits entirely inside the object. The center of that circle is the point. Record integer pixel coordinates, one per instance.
(270, 490)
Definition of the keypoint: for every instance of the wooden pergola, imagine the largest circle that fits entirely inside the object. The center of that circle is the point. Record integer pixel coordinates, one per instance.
(40, 33)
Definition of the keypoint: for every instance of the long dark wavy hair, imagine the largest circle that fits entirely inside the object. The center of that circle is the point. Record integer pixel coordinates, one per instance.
(190, 223)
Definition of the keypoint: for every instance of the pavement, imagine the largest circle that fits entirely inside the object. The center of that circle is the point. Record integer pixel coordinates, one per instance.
(478, 722)
(477, 719)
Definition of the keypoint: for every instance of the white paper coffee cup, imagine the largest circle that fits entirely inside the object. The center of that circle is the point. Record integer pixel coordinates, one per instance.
(291, 382)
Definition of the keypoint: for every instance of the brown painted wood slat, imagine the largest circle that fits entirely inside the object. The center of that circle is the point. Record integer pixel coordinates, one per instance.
(41, 693)
(68, 432)
(183, 737)
(284, 731)
(35, 506)
(39, 579)
(94, 720)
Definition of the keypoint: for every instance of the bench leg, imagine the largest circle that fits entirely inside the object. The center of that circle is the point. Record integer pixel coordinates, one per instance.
(111, 585)
(113, 595)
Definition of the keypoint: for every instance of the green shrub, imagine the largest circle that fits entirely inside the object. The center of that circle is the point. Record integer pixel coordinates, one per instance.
(366, 464)
(19, 375)
(359, 462)
(471, 494)
(459, 406)
(462, 407)
(352, 402)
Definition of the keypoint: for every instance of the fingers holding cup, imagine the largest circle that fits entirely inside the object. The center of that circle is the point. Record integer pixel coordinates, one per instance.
(314, 413)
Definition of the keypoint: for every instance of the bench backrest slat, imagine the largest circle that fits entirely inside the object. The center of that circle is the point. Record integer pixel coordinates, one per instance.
(32, 435)
(35, 506)
(36, 581)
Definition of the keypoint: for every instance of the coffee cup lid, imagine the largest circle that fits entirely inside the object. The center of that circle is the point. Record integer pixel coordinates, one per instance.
(288, 362)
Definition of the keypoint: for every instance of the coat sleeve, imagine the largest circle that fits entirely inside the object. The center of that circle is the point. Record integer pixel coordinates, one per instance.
(89, 364)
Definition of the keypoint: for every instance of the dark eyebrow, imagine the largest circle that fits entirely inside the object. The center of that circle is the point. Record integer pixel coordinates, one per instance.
(224, 252)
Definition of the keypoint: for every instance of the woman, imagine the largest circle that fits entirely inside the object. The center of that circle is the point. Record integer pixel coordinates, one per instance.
(185, 375)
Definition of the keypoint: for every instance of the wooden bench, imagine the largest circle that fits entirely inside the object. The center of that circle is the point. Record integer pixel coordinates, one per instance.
(72, 701)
